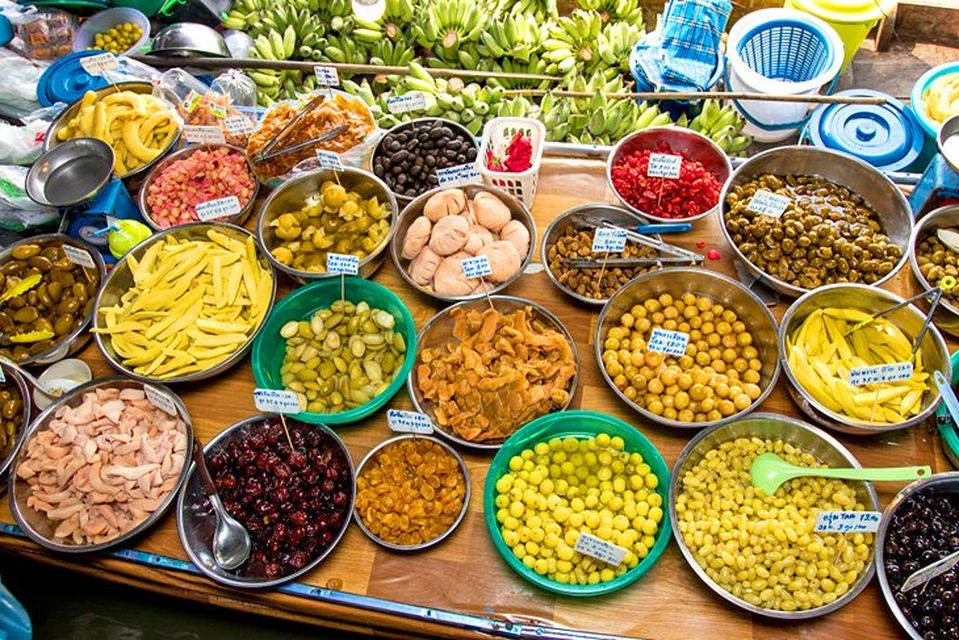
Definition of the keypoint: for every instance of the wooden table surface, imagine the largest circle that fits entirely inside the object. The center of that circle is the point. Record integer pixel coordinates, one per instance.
(465, 574)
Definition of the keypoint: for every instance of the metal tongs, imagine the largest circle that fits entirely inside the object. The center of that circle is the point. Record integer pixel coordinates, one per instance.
(677, 254)
(935, 292)
(289, 127)
(329, 135)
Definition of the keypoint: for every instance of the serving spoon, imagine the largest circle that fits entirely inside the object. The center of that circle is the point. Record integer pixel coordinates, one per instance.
(769, 471)
(231, 541)
(29, 377)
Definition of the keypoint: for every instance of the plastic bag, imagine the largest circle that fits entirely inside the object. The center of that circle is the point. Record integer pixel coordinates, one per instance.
(17, 210)
(22, 145)
(200, 105)
(237, 86)
(48, 35)
(20, 78)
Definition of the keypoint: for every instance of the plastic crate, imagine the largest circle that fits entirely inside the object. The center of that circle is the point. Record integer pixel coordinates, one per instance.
(497, 133)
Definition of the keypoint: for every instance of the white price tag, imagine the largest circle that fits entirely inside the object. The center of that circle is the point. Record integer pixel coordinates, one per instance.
(848, 521)
(672, 343)
(594, 547)
(160, 400)
(203, 134)
(768, 203)
(219, 208)
(664, 165)
(612, 240)
(191, 101)
(409, 422)
(880, 373)
(458, 175)
(341, 263)
(327, 76)
(329, 160)
(276, 401)
(476, 267)
(239, 125)
(414, 101)
(96, 65)
(78, 256)
(924, 575)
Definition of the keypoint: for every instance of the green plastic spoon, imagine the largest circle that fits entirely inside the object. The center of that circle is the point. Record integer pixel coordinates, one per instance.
(769, 471)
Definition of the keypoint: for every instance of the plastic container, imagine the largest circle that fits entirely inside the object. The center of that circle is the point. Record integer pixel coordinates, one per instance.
(497, 133)
(49, 35)
(270, 348)
(148, 7)
(105, 20)
(930, 126)
(780, 51)
(852, 19)
(579, 424)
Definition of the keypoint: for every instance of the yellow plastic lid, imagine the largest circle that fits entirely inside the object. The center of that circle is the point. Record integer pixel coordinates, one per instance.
(846, 11)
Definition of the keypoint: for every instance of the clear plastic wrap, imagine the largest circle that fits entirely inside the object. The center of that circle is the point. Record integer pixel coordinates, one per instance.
(17, 210)
(49, 35)
(198, 104)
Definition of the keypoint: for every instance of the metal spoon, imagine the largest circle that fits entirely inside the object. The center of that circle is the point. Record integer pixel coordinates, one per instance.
(231, 541)
(769, 471)
(29, 377)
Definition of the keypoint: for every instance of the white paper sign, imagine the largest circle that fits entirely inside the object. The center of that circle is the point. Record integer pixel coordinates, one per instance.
(611, 240)
(768, 203)
(160, 400)
(327, 76)
(203, 134)
(476, 267)
(880, 373)
(664, 165)
(341, 263)
(413, 101)
(924, 575)
(848, 521)
(78, 256)
(458, 175)
(329, 160)
(219, 208)
(669, 342)
(276, 401)
(594, 547)
(96, 65)
(409, 421)
(239, 125)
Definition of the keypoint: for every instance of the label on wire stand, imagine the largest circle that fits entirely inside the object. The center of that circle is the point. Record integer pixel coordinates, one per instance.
(880, 373)
(160, 400)
(409, 422)
(239, 125)
(611, 240)
(476, 267)
(342, 264)
(329, 160)
(327, 76)
(100, 63)
(276, 401)
(768, 203)
(664, 165)
(219, 208)
(458, 175)
(413, 101)
(594, 547)
(672, 343)
(203, 134)
(78, 256)
(848, 521)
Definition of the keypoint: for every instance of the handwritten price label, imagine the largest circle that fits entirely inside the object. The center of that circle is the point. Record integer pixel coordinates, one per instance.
(476, 267)
(100, 63)
(219, 208)
(276, 401)
(669, 342)
(203, 134)
(409, 422)
(329, 160)
(611, 240)
(458, 175)
(768, 203)
(414, 101)
(160, 400)
(239, 125)
(880, 373)
(327, 76)
(664, 165)
(848, 521)
(341, 263)
(79, 256)
(594, 547)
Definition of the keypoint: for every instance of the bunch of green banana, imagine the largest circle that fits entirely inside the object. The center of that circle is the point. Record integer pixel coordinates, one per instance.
(612, 10)
(272, 84)
(616, 42)
(391, 53)
(541, 10)
(342, 49)
(536, 65)
(448, 23)
(517, 37)
(517, 107)
(394, 25)
(597, 120)
(570, 43)
(600, 81)
(723, 125)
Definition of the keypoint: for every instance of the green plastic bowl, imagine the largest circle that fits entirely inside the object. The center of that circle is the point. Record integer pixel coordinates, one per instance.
(579, 424)
(270, 348)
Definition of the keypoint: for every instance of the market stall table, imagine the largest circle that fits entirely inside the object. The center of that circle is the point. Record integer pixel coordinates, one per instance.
(465, 575)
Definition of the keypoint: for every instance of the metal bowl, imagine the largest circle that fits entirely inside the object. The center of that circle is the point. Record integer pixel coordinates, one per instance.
(879, 192)
(120, 281)
(12, 374)
(769, 425)
(726, 291)
(189, 39)
(291, 195)
(935, 355)
(33, 523)
(195, 521)
(379, 150)
(415, 209)
(70, 173)
(435, 541)
(938, 483)
(684, 142)
(76, 339)
(948, 129)
(556, 229)
(70, 113)
(183, 154)
(439, 331)
(947, 314)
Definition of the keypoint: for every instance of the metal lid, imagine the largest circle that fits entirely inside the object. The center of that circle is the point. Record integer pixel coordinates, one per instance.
(66, 81)
(887, 136)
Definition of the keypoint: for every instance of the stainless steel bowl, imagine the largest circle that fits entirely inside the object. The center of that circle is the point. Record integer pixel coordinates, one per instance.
(183, 154)
(726, 291)
(415, 210)
(435, 541)
(797, 433)
(439, 331)
(947, 314)
(949, 128)
(291, 196)
(877, 190)
(76, 339)
(195, 521)
(684, 142)
(935, 354)
(938, 483)
(17, 379)
(35, 524)
(70, 173)
(120, 281)
(71, 112)
(189, 40)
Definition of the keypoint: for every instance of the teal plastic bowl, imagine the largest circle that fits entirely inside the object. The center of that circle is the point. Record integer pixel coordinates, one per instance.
(270, 348)
(930, 126)
(579, 424)
(948, 429)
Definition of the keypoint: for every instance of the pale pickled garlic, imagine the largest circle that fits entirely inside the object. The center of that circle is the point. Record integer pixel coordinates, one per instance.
(941, 98)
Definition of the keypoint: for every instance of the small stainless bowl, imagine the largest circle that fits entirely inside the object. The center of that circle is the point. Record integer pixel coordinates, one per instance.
(76, 339)
(415, 210)
(183, 154)
(947, 314)
(949, 128)
(120, 281)
(769, 425)
(684, 142)
(291, 196)
(935, 354)
(195, 521)
(24, 390)
(70, 173)
(439, 331)
(879, 192)
(435, 541)
(938, 483)
(722, 289)
(189, 40)
(35, 524)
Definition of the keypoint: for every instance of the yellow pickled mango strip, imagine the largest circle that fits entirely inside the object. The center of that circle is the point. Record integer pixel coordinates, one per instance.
(881, 395)
(249, 280)
(186, 305)
(233, 284)
(146, 357)
(185, 320)
(225, 241)
(221, 327)
(809, 380)
(22, 287)
(217, 265)
(120, 327)
(31, 336)
(910, 402)
(847, 314)
(835, 333)
(177, 361)
(213, 352)
(220, 340)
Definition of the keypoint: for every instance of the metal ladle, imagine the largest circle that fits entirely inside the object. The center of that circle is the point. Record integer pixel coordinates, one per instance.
(231, 541)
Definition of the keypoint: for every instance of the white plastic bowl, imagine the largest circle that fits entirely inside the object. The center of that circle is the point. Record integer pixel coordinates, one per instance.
(104, 20)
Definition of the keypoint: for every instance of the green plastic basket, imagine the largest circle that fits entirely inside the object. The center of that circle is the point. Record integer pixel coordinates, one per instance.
(579, 424)
(270, 348)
